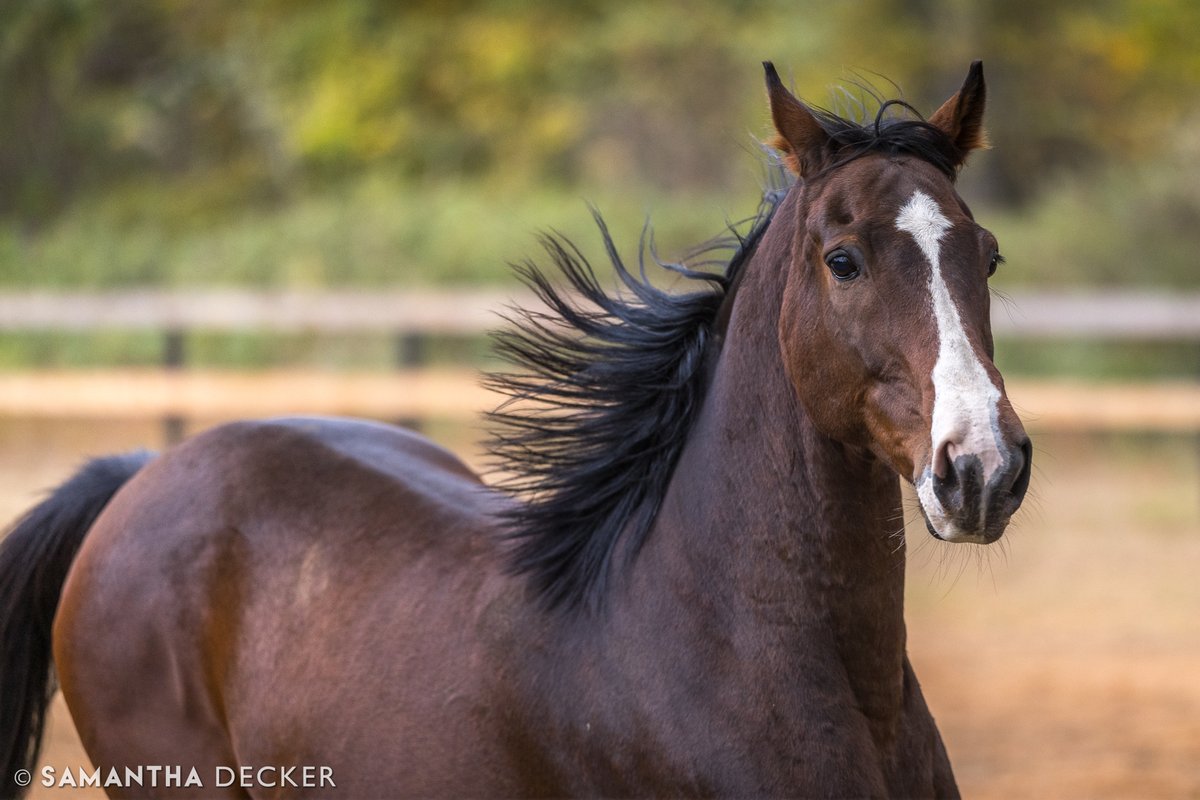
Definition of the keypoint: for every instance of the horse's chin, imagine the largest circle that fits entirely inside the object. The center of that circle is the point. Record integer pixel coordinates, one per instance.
(949, 531)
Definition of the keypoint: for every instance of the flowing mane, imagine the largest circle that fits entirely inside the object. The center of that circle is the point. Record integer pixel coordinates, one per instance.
(608, 388)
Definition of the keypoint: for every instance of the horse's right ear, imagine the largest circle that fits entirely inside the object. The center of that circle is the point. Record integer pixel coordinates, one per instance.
(799, 138)
(961, 117)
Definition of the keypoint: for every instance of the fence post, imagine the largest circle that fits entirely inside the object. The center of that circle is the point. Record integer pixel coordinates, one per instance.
(411, 354)
(174, 355)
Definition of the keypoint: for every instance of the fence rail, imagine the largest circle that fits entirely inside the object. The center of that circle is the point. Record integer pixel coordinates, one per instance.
(415, 311)
(1122, 315)
(456, 395)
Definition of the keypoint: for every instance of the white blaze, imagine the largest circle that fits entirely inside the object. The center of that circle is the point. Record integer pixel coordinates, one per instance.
(965, 400)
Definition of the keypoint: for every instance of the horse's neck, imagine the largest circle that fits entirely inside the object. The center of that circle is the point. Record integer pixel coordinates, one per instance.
(776, 535)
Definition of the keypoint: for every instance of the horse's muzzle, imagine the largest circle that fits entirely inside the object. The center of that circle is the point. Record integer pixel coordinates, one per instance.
(961, 505)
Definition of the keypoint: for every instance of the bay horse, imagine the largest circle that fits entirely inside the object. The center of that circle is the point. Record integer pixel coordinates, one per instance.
(690, 584)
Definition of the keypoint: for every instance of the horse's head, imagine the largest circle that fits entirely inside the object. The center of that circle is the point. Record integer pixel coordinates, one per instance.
(884, 323)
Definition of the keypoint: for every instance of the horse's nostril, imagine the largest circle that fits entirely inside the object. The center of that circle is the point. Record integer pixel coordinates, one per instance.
(949, 476)
(943, 463)
(1021, 482)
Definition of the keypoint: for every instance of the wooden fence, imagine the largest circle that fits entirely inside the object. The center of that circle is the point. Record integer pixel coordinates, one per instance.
(415, 391)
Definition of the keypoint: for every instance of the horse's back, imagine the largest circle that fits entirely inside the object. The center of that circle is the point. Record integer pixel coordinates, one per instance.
(366, 493)
(268, 575)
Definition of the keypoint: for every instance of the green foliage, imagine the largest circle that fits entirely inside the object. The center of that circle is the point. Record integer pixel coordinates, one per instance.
(304, 143)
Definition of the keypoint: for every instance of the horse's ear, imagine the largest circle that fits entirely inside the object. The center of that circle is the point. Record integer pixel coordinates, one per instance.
(961, 117)
(798, 135)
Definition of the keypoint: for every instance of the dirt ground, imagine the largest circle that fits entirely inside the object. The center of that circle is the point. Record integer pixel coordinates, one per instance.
(1064, 663)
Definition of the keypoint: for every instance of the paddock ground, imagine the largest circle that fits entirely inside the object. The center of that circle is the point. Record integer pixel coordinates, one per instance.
(1065, 663)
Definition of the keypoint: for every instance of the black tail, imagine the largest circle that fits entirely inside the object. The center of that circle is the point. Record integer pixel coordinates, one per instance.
(34, 559)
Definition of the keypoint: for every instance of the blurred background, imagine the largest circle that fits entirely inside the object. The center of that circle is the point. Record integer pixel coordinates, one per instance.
(213, 209)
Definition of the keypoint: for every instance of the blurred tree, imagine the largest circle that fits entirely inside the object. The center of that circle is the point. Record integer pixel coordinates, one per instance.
(99, 92)
(230, 107)
(96, 91)
(1074, 85)
(42, 149)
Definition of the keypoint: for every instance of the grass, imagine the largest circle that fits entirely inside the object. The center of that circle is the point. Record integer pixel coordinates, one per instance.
(1113, 360)
(1130, 226)
(372, 232)
(1125, 226)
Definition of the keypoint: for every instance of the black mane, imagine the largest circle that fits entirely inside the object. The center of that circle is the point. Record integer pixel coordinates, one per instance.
(897, 129)
(610, 384)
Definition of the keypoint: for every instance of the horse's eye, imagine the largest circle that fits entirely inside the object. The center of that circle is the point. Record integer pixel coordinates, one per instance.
(841, 265)
(996, 261)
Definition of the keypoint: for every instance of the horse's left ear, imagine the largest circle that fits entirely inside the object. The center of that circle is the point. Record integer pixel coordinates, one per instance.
(799, 138)
(961, 117)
